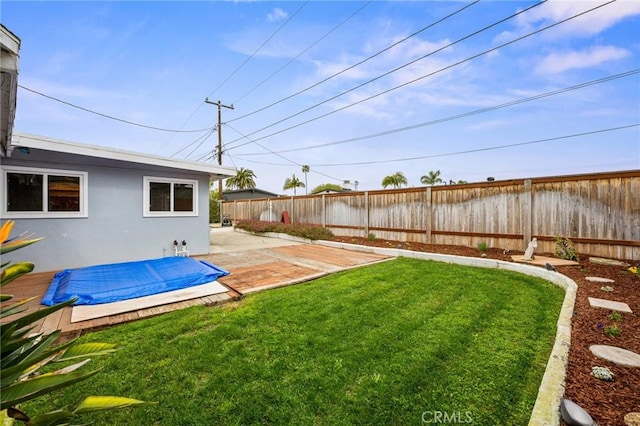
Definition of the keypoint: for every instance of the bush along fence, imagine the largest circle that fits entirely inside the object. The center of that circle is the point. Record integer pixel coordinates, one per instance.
(599, 213)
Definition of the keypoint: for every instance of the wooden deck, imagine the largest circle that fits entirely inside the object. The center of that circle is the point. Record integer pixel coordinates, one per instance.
(250, 271)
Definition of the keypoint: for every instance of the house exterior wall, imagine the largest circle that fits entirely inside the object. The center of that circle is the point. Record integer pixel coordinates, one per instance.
(115, 229)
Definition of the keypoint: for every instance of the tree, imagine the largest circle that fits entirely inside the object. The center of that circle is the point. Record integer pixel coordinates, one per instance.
(396, 180)
(305, 170)
(433, 178)
(244, 179)
(327, 187)
(214, 207)
(292, 183)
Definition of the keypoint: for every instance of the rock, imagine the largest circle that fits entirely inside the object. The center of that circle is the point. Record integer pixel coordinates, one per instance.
(632, 419)
(549, 267)
(610, 305)
(599, 280)
(574, 415)
(609, 262)
(616, 355)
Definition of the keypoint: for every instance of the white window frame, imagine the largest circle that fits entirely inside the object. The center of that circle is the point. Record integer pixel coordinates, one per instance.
(44, 214)
(146, 202)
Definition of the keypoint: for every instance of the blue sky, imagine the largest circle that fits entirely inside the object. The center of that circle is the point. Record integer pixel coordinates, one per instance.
(355, 90)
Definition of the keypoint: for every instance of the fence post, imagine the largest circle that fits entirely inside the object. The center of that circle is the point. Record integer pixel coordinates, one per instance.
(429, 214)
(366, 211)
(527, 213)
(324, 211)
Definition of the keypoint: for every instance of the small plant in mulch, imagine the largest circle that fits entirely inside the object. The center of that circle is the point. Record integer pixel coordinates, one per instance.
(602, 373)
(483, 247)
(612, 330)
(634, 270)
(565, 249)
(371, 236)
(607, 288)
(615, 316)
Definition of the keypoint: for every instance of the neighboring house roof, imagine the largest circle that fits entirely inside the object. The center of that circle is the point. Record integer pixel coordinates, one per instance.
(245, 194)
(26, 141)
(10, 47)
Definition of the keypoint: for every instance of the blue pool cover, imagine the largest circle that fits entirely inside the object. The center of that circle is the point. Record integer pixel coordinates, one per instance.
(120, 281)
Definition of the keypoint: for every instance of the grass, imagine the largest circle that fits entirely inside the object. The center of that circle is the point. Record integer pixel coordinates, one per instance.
(376, 345)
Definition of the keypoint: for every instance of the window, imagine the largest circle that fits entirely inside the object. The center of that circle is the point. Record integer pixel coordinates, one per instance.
(170, 197)
(45, 193)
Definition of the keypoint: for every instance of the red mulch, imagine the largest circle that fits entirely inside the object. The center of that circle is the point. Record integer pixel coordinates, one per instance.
(606, 402)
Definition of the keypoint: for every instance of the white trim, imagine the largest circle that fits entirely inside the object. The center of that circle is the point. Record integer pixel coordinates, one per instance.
(215, 172)
(44, 214)
(146, 207)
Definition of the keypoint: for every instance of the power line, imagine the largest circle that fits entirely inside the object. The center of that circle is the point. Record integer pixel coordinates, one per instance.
(259, 48)
(111, 117)
(426, 75)
(470, 151)
(456, 117)
(356, 64)
(300, 54)
(381, 76)
(284, 158)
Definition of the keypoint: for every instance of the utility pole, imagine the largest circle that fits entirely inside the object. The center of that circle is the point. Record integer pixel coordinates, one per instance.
(220, 105)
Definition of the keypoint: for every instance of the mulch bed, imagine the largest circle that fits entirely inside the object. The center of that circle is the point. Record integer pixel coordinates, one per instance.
(606, 402)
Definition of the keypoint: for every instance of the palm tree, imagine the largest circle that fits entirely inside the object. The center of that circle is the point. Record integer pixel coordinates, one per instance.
(292, 183)
(433, 178)
(305, 170)
(244, 179)
(396, 180)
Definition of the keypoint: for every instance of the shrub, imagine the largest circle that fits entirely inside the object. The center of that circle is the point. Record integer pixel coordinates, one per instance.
(371, 236)
(612, 330)
(483, 247)
(302, 230)
(565, 249)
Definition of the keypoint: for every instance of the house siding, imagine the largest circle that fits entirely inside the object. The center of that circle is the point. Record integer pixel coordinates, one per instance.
(115, 229)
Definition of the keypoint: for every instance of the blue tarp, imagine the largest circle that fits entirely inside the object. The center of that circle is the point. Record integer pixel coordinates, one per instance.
(120, 281)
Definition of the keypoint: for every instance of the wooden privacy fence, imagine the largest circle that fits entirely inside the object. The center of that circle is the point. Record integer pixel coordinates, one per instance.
(600, 213)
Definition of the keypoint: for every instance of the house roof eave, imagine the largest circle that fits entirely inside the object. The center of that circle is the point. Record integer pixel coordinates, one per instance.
(24, 140)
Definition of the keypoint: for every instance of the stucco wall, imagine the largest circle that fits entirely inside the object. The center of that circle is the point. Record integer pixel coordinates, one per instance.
(115, 229)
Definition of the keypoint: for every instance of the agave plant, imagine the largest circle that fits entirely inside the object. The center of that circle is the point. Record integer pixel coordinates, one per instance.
(23, 353)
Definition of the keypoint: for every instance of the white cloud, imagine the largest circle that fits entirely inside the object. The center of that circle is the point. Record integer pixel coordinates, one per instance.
(276, 14)
(590, 23)
(559, 62)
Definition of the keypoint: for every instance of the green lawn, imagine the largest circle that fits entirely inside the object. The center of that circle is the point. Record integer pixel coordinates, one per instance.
(380, 345)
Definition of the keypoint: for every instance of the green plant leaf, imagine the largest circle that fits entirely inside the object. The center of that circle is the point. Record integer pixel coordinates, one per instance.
(58, 417)
(5, 311)
(35, 316)
(84, 350)
(9, 246)
(5, 297)
(14, 271)
(99, 403)
(29, 389)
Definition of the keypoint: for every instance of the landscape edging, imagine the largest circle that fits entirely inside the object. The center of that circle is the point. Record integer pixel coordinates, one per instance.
(546, 410)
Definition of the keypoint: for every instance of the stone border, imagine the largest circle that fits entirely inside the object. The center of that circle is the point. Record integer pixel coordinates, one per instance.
(546, 410)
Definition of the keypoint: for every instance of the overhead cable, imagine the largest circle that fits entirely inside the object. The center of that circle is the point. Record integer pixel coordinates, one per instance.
(358, 63)
(469, 151)
(426, 75)
(112, 117)
(300, 54)
(258, 49)
(456, 117)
